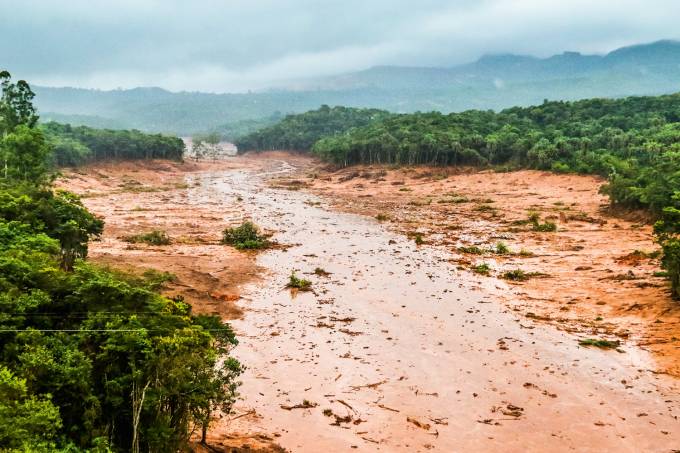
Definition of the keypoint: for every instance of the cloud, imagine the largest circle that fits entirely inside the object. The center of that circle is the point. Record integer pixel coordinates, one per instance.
(236, 45)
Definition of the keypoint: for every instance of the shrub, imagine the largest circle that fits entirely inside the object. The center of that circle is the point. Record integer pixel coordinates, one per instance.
(471, 249)
(155, 237)
(482, 269)
(298, 283)
(547, 227)
(599, 343)
(516, 275)
(502, 249)
(667, 234)
(245, 237)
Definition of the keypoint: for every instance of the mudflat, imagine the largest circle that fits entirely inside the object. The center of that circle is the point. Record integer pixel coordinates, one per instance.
(401, 344)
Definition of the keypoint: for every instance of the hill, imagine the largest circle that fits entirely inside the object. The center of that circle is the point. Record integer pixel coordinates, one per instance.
(492, 82)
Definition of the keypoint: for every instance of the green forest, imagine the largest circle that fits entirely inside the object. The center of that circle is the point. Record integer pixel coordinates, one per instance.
(634, 142)
(76, 145)
(91, 359)
(300, 132)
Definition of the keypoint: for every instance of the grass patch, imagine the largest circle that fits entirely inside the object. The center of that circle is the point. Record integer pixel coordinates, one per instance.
(245, 237)
(382, 217)
(155, 237)
(518, 275)
(454, 200)
(472, 249)
(535, 220)
(482, 269)
(485, 208)
(418, 238)
(298, 283)
(599, 343)
(547, 227)
(502, 249)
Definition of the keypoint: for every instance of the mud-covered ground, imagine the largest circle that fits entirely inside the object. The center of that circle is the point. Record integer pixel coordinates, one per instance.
(399, 346)
(597, 275)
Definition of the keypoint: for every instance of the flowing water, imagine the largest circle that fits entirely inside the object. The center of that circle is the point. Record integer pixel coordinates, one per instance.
(412, 354)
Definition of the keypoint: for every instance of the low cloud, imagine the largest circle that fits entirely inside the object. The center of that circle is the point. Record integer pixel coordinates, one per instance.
(237, 45)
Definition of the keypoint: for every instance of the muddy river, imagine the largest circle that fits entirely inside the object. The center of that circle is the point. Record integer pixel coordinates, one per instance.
(396, 350)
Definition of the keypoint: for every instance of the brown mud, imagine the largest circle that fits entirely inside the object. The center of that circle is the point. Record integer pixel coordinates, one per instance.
(400, 347)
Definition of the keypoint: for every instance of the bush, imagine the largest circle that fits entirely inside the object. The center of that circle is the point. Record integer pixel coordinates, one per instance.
(471, 249)
(482, 269)
(667, 234)
(155, 237)
(502, 249)
(245, 237)
(298, 283)
(516, 275)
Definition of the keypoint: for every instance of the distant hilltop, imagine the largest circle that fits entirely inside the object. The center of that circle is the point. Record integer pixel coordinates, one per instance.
(491, 82)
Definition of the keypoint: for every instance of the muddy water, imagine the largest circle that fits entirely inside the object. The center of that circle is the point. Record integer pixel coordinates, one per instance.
(414, 355)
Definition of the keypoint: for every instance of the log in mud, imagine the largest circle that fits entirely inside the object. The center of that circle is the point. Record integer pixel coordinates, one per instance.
(395, 348)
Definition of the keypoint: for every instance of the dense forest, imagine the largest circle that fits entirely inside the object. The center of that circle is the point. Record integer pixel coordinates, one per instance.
(90, 359)
(634, 142)
(75, 145)
(300, 132)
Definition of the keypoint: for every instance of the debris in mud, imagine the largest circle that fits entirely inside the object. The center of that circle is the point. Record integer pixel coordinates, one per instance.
(375, 385)
(418, 423)
(509, 410)
(321, 272)
(529, 385)
(306, 404)
(350, 332)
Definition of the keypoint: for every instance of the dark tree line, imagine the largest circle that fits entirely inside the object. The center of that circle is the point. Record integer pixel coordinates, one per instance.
(300, 132)
(75, 145)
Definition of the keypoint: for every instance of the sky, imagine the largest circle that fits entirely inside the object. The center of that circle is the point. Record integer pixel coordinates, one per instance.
(241, 45)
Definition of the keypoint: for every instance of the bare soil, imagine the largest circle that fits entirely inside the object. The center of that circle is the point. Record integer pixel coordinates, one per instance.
(593, 276)
(403, 347)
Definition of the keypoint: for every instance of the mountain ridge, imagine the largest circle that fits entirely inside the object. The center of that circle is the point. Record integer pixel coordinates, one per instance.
(493, 81)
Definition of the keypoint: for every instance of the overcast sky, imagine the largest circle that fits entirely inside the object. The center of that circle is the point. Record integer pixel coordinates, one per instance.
(236, 45)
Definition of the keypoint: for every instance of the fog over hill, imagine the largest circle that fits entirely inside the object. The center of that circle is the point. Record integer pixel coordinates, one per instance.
(491, 82)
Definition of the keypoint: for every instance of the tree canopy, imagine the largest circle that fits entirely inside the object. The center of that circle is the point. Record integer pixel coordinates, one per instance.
(91, 359)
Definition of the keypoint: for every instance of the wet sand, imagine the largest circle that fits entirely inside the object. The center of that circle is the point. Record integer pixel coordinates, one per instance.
(399, 347)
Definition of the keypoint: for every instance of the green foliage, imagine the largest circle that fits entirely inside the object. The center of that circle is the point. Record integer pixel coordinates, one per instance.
(600, 343)
(298, 283)
(502, 249)
(155, 237)
(76, 145)
(27, 422)
(546, 227)
(300, 132)
(516, 275)
(667, 234)
(245, 237)
(472, 249)
(482, 269)
(90, 359)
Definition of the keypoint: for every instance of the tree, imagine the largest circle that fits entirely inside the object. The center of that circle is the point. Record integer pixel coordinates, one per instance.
(23, 152)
